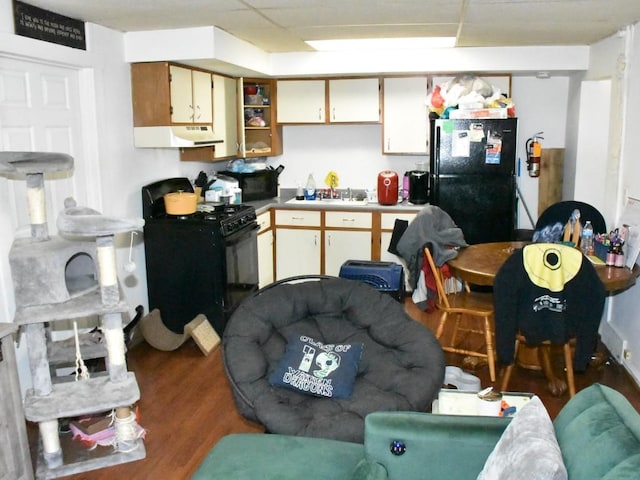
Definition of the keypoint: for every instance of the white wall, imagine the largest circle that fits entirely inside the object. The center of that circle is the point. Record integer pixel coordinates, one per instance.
(598, 126)
(573, 114)
(354, 152)
(541, 106)
(624, 320)
(593, 145)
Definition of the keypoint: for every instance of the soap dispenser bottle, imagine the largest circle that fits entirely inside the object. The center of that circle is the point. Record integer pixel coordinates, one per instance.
(310, 188)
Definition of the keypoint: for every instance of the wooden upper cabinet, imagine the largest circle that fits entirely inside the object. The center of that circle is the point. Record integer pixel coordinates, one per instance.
(259, 133)
(151, 94)
(165, 94)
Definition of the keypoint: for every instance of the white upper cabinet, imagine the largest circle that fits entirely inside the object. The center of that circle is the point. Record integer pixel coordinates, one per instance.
(191, 96)
(301, 101)
(202, 97)
(225, 115)
(354, 100)
(351, 100)
(406, 116)
(181, 95)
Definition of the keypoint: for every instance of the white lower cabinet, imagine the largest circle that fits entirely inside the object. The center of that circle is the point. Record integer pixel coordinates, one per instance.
(312, 242)
(265, 258)
(265, 250)
(297, 252)
(298, 244)
(340, 246)
(351, 242)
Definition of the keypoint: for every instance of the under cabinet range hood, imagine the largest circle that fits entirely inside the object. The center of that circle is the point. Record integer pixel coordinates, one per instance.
(183, 136)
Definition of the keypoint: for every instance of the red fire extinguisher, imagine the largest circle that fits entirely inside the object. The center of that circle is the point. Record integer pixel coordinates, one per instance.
(534, 150)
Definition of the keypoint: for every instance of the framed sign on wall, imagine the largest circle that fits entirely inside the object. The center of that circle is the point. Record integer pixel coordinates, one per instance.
(34, 22)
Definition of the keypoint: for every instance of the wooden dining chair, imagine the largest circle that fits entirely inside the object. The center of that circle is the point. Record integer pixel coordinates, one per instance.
(556, 387)
(477, 307)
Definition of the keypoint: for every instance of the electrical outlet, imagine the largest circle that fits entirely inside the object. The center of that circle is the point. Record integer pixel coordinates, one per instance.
(626, 353)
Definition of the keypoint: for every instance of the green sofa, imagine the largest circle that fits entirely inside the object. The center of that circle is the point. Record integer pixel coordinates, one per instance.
(598, 432)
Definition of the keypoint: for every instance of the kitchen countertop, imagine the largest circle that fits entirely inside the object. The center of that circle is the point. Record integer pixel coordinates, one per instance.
(287, 194)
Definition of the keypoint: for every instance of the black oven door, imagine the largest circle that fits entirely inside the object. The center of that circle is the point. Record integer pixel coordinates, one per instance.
(241, 252)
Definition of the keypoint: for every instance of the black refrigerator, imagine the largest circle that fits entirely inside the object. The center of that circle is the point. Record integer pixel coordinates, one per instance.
(472, 176)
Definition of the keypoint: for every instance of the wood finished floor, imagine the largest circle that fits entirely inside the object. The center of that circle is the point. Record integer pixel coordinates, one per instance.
(186, 404)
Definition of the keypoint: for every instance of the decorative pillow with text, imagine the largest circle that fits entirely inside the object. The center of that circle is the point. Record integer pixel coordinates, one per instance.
(315, 368)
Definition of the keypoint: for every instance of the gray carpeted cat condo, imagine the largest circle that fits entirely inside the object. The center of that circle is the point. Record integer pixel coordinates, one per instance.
(69, 277)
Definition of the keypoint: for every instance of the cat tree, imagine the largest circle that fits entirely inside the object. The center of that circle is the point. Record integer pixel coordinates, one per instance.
(71, 276)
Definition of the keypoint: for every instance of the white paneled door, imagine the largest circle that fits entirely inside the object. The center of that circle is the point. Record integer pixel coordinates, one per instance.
(40, 110)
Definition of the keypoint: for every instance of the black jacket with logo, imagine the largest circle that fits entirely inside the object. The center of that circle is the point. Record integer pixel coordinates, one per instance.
(556, 314)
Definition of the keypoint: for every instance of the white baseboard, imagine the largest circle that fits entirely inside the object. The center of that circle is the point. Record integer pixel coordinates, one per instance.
(612, 340)
(616, 345)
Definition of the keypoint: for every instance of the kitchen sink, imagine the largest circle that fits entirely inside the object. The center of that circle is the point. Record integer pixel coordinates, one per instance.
(331, 201)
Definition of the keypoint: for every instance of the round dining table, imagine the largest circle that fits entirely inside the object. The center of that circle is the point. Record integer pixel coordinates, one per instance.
(478, 264)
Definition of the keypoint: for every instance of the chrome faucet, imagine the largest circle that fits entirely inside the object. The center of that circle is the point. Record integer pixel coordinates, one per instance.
(347, 193)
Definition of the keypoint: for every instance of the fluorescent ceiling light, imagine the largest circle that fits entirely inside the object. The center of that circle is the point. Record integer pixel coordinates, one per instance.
(359, 44)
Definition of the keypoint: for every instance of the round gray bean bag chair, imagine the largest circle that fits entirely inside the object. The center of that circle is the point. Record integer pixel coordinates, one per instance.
(401, 367)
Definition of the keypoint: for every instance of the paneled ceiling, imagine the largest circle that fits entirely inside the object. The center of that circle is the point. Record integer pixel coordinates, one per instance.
(284, 25)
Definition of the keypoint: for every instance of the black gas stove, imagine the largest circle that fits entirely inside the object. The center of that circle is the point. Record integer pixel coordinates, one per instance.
(202, 263)
(230, 218)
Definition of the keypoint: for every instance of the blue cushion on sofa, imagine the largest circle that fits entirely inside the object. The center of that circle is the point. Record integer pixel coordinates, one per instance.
(325, 370)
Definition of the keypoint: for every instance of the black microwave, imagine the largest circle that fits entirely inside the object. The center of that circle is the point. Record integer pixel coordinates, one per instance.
(259, 185)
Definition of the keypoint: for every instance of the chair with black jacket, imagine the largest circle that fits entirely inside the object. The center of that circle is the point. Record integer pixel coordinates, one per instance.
(547, 294)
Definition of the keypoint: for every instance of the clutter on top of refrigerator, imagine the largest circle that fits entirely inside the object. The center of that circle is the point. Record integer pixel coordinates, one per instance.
(469, 96)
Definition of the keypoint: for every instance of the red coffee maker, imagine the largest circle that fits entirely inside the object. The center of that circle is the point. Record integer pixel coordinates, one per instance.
(387, 187)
